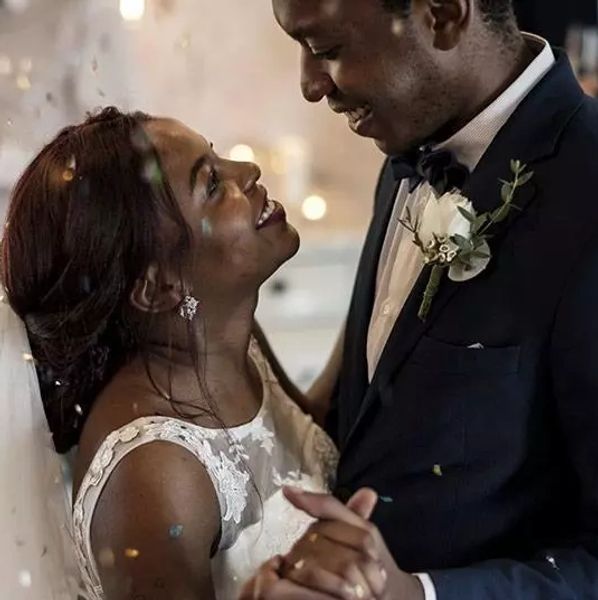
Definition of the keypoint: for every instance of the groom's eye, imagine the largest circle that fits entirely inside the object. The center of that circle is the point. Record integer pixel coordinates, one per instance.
(331, 54)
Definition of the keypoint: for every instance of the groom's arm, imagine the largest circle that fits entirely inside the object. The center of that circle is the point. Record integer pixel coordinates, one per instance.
(569, 572)
(316, 401)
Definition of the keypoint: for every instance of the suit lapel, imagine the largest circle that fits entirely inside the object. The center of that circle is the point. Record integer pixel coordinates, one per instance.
(354, 378)
(531, 135)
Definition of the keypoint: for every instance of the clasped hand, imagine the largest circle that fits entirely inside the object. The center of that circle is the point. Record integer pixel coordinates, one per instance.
(342, 555)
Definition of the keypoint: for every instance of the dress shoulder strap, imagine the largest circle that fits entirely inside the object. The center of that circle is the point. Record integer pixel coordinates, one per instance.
(210, 446)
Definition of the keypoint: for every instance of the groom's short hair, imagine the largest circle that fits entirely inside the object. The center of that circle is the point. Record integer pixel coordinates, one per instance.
(498, 14)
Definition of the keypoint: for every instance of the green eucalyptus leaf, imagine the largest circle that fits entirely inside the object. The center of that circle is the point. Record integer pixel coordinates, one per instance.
(506, 192)
(469, 216)
(525, 178)
(501, 213)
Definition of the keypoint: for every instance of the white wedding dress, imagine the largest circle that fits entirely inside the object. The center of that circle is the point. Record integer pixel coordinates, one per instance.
(248, 466)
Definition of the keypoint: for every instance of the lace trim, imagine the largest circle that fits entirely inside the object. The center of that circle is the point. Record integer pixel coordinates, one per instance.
(229, 479)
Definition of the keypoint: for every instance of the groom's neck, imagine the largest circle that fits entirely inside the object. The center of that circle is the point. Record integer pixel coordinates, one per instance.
(487, 76)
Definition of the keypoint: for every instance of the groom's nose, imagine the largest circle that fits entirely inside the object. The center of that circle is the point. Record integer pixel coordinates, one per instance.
(316, 83)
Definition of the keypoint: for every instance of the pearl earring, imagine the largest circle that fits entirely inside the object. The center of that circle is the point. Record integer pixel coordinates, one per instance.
(188, 308)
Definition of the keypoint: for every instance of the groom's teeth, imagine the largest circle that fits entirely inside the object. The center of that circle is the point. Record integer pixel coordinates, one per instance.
(269, 208)
(358, 113)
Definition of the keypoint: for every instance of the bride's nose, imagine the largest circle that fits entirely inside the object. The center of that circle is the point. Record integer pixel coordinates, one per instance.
(251, 174)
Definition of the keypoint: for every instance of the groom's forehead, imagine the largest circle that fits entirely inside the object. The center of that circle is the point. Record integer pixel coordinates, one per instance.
(298, 16)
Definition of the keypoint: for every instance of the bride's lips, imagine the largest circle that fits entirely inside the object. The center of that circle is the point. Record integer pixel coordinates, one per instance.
(271, 212)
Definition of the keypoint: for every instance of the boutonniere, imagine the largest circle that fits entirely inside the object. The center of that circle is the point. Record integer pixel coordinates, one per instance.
(454, 239)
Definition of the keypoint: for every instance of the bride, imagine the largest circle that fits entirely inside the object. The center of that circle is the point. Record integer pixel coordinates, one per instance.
(134, 255)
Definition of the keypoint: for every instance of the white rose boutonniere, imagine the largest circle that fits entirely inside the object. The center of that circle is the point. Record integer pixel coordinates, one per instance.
(454, 239)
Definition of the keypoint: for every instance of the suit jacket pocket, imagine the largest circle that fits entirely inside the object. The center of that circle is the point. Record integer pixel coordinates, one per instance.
(440, 357)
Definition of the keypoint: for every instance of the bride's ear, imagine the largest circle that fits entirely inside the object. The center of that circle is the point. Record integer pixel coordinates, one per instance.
(156, 292)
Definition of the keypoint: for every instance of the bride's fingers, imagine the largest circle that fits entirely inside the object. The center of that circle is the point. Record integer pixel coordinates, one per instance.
(357, 538)
(344, 580)
(287, 590)
(264, 579)
(363, 502)
(320, 580)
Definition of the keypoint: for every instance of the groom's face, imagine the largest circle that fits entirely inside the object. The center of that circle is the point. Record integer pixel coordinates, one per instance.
(372, 65)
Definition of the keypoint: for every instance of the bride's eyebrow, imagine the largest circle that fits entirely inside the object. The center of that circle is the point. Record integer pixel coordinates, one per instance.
(198, 165)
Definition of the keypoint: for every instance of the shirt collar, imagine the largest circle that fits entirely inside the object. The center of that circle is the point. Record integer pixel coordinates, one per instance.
(470, 143)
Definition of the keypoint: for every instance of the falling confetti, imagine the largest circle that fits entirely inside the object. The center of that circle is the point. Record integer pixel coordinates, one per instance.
(25, 579)
(9, 123)
(386, 499)
(437, 470)
(175, 532)
(78, 409)
(27, 357)
(185, 41)
(23, 82)
(58, 383)
(106, 558)
(151, 172)
(101, 93)
(49, 97)
(397, 27)
(132, 553)
(550, 559)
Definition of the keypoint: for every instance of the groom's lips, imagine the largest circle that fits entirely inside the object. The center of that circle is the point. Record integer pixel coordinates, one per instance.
(359, 117)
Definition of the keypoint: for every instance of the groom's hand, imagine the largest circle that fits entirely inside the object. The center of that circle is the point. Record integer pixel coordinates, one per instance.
(343, 553)
(270, 584)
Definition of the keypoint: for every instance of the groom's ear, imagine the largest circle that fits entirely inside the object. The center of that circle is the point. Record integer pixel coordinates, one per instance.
(448, 21)
(156, 292)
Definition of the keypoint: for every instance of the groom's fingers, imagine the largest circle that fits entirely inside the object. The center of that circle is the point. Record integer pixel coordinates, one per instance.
(363, 502)
(323, 507)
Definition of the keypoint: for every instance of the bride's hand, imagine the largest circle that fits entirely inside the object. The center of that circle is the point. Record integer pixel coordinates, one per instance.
(339, 554)
(268, 584)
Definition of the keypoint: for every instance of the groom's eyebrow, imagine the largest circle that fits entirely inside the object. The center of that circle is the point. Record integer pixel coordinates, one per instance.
(198, 165)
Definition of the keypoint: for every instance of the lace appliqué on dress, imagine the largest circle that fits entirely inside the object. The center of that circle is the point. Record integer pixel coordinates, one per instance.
(228, 476)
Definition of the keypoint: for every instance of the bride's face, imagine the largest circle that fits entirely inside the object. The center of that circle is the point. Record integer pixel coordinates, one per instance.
(240, 236)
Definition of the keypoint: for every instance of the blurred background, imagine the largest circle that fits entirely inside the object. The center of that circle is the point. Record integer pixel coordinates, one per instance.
(224, 68)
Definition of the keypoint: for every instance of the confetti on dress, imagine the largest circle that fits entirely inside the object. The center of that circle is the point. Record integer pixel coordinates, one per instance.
(437, 470)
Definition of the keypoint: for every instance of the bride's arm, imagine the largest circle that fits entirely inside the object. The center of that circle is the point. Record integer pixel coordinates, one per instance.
(316, 401)
(155, 525)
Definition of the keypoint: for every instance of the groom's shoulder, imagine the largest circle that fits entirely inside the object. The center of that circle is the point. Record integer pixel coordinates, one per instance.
(574, 163)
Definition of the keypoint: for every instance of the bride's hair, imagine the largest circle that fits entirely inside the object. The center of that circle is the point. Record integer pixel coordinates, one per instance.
(84, 222)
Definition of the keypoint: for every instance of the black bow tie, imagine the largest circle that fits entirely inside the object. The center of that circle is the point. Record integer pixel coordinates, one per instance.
(440, 168)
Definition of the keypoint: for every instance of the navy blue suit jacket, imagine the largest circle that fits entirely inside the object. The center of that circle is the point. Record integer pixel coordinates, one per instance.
(513, 511)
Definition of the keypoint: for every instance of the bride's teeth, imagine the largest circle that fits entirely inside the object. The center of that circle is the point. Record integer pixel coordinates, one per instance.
(269, 208)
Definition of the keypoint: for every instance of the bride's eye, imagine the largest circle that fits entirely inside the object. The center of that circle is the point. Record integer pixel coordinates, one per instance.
(213, 182)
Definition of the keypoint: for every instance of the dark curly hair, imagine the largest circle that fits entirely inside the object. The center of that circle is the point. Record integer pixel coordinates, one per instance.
(85, 221)
(498, 14)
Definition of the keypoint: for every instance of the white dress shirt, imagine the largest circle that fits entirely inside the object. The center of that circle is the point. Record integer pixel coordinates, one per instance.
(401, 261)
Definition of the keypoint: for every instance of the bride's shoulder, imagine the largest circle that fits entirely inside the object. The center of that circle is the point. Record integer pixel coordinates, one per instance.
(123, 402)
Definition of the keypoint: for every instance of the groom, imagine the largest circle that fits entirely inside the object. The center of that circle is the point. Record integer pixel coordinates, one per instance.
(477, 426)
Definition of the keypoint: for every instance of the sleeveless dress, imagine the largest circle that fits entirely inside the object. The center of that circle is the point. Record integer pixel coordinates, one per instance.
(248, 465)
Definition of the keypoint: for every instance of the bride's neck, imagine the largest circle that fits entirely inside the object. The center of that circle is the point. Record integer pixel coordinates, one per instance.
(220, 333)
